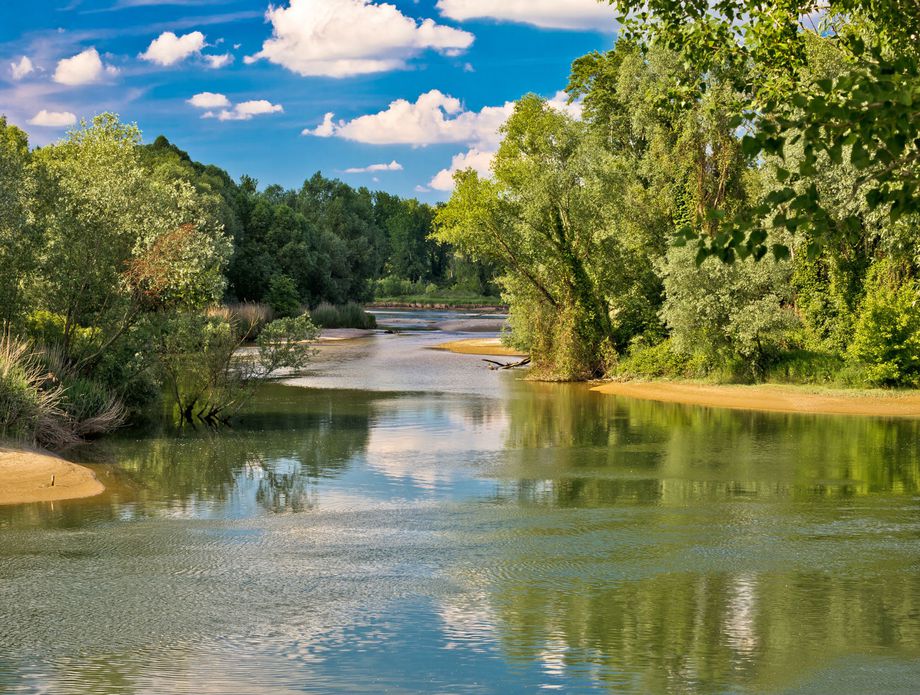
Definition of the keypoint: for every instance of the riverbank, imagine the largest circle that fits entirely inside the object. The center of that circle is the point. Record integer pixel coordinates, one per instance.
(473, 305)
(772, 398)
(491, 347)
(25, 477)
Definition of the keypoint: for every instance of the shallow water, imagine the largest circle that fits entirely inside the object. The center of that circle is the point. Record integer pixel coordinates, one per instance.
(411, 522)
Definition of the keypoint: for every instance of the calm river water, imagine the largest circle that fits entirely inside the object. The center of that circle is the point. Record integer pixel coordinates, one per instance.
(404, 520)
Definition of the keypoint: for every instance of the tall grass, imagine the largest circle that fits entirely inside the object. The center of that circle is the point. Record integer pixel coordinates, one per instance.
(43, 402)
(247, 318)
(349, 315)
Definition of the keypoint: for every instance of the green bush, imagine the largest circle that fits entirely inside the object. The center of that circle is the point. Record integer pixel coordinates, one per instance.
(283, 297)
(47, 328)
(887, 337)
(653, 362)
(345, 316)
(392, 286)
(806, 367)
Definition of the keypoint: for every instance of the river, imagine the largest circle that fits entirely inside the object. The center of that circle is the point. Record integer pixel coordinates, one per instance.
(401, 519)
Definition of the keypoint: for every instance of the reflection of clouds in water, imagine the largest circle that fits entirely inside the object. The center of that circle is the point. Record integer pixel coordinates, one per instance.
(469, 621)
(431, 442)
(740, 615)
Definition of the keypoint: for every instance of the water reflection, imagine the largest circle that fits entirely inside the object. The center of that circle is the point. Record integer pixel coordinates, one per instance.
(529, 536)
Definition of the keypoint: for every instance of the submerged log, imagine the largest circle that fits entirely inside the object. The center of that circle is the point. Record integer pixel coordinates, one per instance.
(496, 365)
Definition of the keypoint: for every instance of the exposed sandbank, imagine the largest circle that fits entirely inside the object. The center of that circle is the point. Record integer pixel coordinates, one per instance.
(480, 346)
(773, 398)
(25, 477)
(336, 334)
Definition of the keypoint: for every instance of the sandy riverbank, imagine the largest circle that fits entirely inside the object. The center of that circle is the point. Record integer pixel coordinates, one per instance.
(25, 477)
(773, 398)
(480, 346)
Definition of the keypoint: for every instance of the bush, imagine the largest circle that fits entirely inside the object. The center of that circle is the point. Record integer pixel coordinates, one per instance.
(47, 328)
(392, 286)
(653, 362)
(345, 316)
(286, 344)
(806, 367)
(887, 337)
(283, 297)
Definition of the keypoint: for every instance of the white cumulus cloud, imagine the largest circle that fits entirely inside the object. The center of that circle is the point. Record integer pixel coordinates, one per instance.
(169, 49)
(431, 119)
(550, 14)
(209, 100)
(392, 166)
(478, 160)
(53, 119)
(216, 62)
(248, 109)
(340, 38)
(22, 68)
(84, 68)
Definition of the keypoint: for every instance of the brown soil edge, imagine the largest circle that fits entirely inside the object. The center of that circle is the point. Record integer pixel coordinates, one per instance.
(772, 398)
(490, 347)
(25, 478)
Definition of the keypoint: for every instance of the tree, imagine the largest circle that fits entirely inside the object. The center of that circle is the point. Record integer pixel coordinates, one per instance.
(18, 233)
(869, 114)
(545, 219)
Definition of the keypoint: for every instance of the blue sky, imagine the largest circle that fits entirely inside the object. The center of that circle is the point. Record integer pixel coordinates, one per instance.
(248, 86)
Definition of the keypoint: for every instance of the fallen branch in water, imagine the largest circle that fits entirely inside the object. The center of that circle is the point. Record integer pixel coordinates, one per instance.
(495, 365)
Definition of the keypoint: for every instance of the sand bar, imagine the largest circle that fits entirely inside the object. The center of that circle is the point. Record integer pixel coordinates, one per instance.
(480, 346)
(773, 398)
(25, 477)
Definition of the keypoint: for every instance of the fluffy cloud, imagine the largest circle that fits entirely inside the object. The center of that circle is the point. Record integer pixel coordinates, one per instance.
(433, 118)
(83, 68)
(339, 38)
(169, 49)
(209, 100)
(22, 68)
(392, 166)
(551, 14)
(474, 159)
(218, 61)
(53, 119)
(243, 111)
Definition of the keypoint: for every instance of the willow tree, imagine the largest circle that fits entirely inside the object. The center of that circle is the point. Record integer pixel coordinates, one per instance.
(547, 218)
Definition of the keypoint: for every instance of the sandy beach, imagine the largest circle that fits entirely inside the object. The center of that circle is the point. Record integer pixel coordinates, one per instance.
(773, 398)
(25, 477)
(480, 346)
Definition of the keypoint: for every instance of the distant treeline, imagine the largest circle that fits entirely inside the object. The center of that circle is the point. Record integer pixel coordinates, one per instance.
(334, 242)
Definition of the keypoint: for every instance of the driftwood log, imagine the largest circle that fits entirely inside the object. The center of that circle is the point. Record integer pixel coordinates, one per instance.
(496, 365)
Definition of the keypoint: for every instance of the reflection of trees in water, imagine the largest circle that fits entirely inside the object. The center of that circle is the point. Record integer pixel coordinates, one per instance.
(647, 597)
(570, 447)
(711, 633)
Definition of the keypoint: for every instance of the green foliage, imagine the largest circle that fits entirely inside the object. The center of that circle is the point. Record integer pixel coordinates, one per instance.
(282, 297)
(345, 316)
(887, 338)
(866, 115)
(725, 313)
(286, 343)
(659, 361)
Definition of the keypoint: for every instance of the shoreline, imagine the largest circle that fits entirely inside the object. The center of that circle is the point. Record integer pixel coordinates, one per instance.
(443, 306)
(25, 478)
(489, 347)
(774, 398)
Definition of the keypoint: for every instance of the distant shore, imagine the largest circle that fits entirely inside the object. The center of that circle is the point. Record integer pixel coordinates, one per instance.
(772, 398)
(444, 306)
(25, 477)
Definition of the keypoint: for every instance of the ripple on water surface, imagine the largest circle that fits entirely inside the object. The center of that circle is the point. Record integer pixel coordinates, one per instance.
(444, 528)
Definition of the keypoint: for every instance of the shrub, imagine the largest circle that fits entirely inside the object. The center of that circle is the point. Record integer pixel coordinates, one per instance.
(286, 344)
(645, 361)
(392, 286)
(806, 367)
(283, 297)
(887, 336)
(344, 316)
